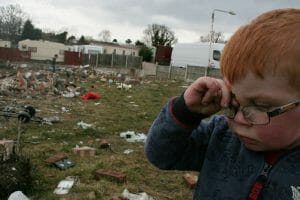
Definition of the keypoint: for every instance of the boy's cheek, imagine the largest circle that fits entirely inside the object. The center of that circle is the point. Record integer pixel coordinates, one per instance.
(274, 135)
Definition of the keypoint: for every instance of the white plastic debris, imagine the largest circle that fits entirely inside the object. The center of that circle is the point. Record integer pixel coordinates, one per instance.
(17, 195)
(131, 136)
(130, 196)
(65, 185)
(64, 109)
(23, 65)
(128, 151)
(124, 86)
(296, 192)
(84, 125)
(51, 120)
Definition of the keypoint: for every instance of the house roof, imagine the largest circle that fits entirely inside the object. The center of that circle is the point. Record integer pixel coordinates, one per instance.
(113, 44)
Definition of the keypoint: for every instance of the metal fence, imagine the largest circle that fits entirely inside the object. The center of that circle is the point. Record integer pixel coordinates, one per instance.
(112, 60)
(188, 73)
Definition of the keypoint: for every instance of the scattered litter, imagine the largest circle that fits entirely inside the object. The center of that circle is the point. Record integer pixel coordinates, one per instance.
(110, 174)
(104, 144)
(6, 149)
(131, 136)
(56, 157)
(63, 109)
(124, 86)
(69, 95)
(65, 185)
(130, 196)
(84, 151)
(17, 195)
(296, 192)
(90, 95)
(128, 151)
(23, 65)
(191, 180)
(110, 81)
(64, 164)
(51, 120)
(84, 125)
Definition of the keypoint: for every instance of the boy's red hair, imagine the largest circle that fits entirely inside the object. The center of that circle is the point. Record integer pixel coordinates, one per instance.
(268, 44)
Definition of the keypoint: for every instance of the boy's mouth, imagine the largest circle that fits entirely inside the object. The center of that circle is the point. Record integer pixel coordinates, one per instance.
(247, 140)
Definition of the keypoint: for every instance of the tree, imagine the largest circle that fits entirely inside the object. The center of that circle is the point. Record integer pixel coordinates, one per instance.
(128, 41)
(115, 40)
(82, 41)
(71, 40)
(61, 37)
(11, 21)
(218, 37)
(146, 53)
(159, 34)
(139, 43)
(29, 32)
(105, 36)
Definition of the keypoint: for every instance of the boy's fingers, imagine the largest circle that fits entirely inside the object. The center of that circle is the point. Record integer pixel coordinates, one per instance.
(212, 92)
(226, 94)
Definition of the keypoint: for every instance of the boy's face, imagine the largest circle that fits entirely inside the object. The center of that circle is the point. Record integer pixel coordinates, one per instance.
(283, 131)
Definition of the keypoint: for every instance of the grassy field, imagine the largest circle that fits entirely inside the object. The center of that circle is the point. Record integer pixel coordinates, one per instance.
(115, 112)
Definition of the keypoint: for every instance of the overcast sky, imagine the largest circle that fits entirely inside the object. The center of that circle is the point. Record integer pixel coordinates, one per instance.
(189, 19)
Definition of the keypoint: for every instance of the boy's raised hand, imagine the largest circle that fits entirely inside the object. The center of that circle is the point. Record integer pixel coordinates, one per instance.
(207, 95)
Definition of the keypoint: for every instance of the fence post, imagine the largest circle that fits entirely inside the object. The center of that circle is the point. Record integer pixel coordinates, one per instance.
(170, 70)
(112, 60)
(186, 72)
(97, 60)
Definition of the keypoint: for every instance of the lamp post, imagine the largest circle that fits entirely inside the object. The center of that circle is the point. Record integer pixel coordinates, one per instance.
(212, 35)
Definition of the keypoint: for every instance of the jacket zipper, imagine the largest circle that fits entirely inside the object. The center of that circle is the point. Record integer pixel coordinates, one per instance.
(260, 182)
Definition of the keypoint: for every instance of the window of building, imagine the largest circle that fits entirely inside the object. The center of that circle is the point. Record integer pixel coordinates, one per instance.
(32, 49)
(216, 55)
(115, 51)
(123, 52)
(133, 53)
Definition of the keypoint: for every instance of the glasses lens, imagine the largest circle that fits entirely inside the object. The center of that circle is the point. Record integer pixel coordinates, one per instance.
(229, 112)
(255, 116)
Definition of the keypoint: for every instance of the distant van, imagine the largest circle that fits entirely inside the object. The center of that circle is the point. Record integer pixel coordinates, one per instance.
(196, 54)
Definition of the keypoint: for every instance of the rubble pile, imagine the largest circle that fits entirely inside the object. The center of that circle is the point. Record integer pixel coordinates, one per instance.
(28, 81)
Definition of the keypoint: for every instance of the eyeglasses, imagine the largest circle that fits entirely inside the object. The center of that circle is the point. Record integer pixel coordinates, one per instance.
(259, 116)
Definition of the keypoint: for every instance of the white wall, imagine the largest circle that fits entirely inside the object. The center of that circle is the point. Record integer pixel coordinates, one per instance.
(4, 43)
(43, 50)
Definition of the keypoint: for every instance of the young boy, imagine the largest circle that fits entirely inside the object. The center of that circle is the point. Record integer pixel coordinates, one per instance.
(253, 153)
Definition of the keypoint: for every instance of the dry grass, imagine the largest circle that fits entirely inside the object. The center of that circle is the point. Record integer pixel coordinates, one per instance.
(117, 111)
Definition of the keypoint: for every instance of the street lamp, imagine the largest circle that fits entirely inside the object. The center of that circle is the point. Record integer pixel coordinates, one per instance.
(212, 34)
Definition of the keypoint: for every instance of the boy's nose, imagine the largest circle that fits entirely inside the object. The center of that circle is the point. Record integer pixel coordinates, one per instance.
(239, 118)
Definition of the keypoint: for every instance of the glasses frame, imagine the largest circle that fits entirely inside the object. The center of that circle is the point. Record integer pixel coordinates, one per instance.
(272, 113)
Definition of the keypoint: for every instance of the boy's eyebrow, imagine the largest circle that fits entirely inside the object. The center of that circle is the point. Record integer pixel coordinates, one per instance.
(259, 98)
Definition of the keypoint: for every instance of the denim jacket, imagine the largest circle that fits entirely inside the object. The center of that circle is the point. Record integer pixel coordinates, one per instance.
(181, 140)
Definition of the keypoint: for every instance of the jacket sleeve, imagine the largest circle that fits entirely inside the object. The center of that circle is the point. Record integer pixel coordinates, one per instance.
(178, 138)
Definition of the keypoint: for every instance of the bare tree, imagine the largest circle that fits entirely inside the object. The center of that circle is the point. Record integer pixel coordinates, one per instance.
(218, 37)
(105, 35)
(159, 34)
(11, 21)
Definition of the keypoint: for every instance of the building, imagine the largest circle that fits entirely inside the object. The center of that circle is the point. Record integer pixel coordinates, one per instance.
(43, 50)
(86, 49)
(115, 48)
(4, 43)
